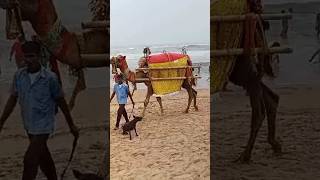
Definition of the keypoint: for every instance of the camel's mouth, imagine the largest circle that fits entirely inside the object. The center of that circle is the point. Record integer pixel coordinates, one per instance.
(113, 65)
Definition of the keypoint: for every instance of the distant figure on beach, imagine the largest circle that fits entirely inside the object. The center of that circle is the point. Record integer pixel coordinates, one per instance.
(17, 50)
(285, 26)
(317, 27)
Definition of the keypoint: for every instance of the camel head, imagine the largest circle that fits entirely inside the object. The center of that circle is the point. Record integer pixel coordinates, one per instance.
(119, 62)
(113, 62)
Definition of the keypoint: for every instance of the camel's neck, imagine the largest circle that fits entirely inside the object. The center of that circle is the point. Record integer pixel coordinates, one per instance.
(45, 18)
(129, 74)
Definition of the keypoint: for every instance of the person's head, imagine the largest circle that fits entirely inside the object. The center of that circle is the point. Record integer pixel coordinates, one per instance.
(119, 78)
(283, 11)
(32, 55)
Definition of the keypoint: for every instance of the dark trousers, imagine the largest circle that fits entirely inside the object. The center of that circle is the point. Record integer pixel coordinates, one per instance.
(38, 155)
(122, 111)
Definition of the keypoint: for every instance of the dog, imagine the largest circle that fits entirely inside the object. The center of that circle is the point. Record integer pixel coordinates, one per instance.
(86, 176)
(131, 125)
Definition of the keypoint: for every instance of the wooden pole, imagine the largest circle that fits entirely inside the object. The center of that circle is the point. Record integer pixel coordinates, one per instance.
(235, 52)
(157, 68)
(95, 24)
(169, 78)
(234, 18)
(96, 60)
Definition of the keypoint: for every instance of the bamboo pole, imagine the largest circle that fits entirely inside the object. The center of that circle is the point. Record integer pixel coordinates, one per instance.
(158, 68)
(169, 78)
(233, 18)
(234, 52)
(95, 24)
(96, 60)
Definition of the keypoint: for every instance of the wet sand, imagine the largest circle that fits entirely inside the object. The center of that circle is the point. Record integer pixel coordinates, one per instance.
(298, 129)
(174, 145)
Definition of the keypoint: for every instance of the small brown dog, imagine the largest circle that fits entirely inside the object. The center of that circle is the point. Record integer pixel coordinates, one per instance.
(131, 125)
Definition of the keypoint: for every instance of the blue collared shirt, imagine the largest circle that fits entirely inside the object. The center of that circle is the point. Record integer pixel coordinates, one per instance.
(122, 92)
(37, 100)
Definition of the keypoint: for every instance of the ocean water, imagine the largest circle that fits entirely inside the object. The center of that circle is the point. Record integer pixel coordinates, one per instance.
(199, 54)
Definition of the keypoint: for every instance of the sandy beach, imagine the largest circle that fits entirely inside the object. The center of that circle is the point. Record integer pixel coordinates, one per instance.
(174, 145)
(90, 116)
(297, 129)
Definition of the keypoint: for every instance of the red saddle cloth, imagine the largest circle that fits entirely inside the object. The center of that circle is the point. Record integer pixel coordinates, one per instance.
(164, 57)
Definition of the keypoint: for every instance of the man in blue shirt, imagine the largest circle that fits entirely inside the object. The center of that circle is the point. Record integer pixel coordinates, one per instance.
(38, 92)
(122, 91)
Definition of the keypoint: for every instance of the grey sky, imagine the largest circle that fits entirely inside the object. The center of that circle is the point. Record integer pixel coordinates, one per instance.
(145, 22)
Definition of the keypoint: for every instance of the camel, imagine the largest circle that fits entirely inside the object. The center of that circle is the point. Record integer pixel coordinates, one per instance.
(63, 45)
(120, 62)
(263, 101)
(248, 71)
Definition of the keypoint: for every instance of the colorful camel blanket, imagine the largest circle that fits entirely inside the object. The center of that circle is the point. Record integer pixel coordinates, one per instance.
(167, 60)
(224, 36)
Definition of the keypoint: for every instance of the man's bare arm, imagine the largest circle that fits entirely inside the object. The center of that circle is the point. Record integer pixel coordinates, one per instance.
(65, 109)
(11, 103)
(113, 93)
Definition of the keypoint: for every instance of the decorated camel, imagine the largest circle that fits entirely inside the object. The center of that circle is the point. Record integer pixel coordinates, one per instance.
(62, 45)
(240, 54)
(141, 76)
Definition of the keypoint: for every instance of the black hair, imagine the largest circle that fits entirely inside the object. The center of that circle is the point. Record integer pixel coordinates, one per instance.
(31, 47)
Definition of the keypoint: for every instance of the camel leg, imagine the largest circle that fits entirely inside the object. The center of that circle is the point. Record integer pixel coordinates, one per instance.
(80, 86)
(160, 103)
(195, 99)
(191, 95)
(146, 101)
(271, 102)
(257, 117)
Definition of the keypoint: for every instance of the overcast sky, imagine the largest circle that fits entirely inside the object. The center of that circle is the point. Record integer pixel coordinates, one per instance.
(145, 22)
